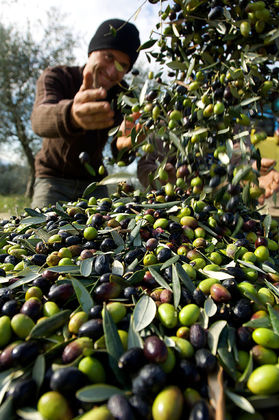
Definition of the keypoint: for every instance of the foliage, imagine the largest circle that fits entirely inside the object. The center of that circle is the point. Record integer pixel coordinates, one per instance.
(23, 57)
(220, 63)
(13, 179)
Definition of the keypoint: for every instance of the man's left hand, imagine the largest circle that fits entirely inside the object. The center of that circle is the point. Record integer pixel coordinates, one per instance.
(270, 183)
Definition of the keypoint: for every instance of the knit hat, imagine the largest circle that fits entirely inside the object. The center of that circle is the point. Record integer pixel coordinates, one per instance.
(119, 35)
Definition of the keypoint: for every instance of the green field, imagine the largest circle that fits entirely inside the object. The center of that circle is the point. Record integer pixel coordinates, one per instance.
(13, 205)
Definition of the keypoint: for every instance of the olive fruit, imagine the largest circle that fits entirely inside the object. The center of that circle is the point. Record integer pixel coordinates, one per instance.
(197, 336)
(168, 404)
(33, 308)
(266, 337)
(60, 293)
(149, 380)
(189, 314)
(140, 407)
(132, 360)
(199, 411)
(93, 328)
(25, 353)
(80, 346)
(23, 392)
(22, 325)
(93, 369)
(5, 330)
(67, 380)
(167, 315)
(120, 407)
(205, 360)
(155, 349)
(53, 406)
(98, 413)
(264, 380)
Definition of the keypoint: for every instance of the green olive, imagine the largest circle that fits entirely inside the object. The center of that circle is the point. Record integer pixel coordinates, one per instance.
(189, 314)
(93, 369)
(167, 315)
(5, 330)
(168, 404)
(53, 406)
(264, 380)
(266, 337)
(22, 325)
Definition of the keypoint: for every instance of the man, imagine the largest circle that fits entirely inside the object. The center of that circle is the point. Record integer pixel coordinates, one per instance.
(74, 110)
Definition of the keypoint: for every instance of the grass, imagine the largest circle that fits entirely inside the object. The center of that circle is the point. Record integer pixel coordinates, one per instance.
(13, 205)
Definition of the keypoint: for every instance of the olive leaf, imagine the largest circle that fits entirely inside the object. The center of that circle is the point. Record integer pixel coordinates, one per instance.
(263, 322)
(136, 277)
(65, 269)
(38, 371)
(29, 413)
(49, 325)
(274, 318)
(210, 307)
(28, 276)
(247, 371)
(241, 174)
(83, 296)
(218, 275)
(134, 339)
(169, 262)
(185, 278)
(7, 410)
(144, 312)
(177, 142)
(113, 344)
(159, 279)
(117, 238)
(135, 231)
(86, 267)
(36, 220)
(272, 288)
(176, 287)
(225, 354)
(214, 333)
(117, 268)
(143, 92)
(240, 401)
(147, 44)
(207, 229)
(89, 189)
(267, 224)
(98, 393)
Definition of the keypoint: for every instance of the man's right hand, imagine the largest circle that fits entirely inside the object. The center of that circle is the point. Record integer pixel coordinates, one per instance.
(89, 110)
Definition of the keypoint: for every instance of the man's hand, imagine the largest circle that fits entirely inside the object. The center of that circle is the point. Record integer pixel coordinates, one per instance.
(124, 141)
(89, 110)
(266, 165)
(270, 183)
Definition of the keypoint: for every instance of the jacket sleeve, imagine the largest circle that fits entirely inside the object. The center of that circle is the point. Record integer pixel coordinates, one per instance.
(51, 111)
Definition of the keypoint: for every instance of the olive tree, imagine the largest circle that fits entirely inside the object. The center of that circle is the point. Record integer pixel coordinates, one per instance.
(22, 57)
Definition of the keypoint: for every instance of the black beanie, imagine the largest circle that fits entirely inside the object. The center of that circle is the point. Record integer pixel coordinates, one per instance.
(119, 35)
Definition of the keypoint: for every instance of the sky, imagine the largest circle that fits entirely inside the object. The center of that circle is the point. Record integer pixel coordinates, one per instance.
(84, 16)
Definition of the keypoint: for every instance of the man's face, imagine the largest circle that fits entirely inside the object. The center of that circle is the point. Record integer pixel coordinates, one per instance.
(108, 67)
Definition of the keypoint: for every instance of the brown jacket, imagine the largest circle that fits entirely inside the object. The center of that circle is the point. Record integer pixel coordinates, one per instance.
(62, 143)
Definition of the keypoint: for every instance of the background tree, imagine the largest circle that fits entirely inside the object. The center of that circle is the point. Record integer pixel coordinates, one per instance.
(22, 58)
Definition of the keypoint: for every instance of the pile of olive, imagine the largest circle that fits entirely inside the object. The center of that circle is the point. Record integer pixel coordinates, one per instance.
(124, 307)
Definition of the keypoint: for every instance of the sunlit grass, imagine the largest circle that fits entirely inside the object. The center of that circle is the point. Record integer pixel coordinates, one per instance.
(13, 205)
